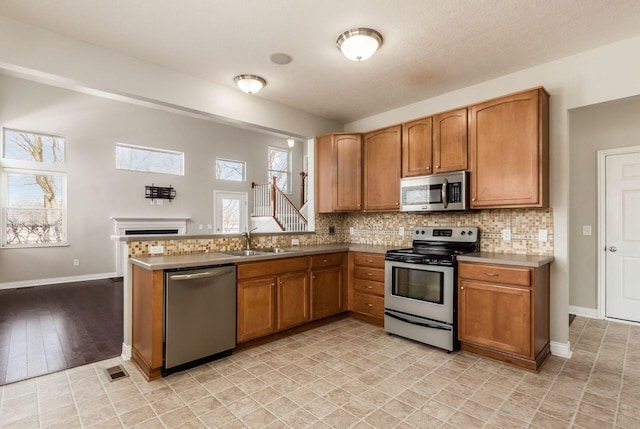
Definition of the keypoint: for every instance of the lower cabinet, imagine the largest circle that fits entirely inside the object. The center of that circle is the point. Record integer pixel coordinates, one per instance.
(366, 290)
(327, 285)
(280, 294)
(503, 312)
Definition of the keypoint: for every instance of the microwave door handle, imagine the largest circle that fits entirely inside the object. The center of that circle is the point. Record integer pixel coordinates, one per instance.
(445, 197)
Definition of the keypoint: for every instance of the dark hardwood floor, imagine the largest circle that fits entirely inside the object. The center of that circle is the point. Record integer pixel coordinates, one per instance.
(49, 328)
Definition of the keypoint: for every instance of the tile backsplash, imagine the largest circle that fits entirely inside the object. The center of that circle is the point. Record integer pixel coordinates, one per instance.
(382, 229)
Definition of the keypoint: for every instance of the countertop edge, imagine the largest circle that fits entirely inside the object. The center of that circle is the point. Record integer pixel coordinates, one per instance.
(533, 261)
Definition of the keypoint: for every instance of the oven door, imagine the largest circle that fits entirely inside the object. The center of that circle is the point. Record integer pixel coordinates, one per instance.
(421, 290)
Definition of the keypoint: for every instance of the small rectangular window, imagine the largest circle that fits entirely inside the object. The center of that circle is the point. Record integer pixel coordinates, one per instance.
(279, 166)
(149, 160)
(35, 209)
(33, 147)
(227, 169)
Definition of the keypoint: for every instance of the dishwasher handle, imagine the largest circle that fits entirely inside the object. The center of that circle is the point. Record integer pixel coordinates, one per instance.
(209, 273)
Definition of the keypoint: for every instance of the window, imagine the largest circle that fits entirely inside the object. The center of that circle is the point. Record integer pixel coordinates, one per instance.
(227, 169)
(280, 167)
(230, 212)
(149, 160)
(34, 189)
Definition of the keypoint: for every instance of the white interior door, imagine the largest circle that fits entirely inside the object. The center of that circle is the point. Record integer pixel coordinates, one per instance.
(622, 241)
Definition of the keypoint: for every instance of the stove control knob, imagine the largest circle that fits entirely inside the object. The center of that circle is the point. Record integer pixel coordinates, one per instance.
(463, 233)
(422, 232)
(470, 232)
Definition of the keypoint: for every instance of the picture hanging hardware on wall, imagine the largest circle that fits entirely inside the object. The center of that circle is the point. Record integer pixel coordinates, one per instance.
(159, 192)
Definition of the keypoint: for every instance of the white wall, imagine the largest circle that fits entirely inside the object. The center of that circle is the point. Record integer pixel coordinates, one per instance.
(97, 191)
(607, 73)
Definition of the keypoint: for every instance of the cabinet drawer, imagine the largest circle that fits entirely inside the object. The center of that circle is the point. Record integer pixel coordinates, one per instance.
(369, 304)
(326, 260)
(368, 286)
(495, 273)
(366, 273)
(267, 268)
(369, 260)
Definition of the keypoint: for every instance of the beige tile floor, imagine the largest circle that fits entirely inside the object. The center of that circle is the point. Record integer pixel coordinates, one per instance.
(349, 374)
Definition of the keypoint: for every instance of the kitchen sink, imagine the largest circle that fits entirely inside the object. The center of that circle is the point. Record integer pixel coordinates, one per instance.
(245, 252)
(280, 250)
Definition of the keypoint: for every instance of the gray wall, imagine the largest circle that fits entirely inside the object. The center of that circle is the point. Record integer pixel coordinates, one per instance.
(592, 128)
(97, 191)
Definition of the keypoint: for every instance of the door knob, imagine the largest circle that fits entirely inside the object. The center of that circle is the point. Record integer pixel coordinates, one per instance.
(613, 249)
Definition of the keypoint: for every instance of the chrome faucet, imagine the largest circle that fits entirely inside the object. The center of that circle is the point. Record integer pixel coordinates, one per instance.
(247, 236)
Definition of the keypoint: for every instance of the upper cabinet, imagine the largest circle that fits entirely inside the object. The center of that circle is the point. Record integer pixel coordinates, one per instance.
(338, 173)
(417, 146)
(450, 141)
(382, 160)
(435, 144)
(509, 151)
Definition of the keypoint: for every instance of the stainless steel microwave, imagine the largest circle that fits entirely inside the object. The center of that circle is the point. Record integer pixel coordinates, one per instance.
(435, 193)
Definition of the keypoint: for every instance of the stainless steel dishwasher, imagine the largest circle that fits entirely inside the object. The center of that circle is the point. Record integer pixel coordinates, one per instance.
(199, 315)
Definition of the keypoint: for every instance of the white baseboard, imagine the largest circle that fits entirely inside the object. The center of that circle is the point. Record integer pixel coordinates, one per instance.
(56, 280)
(126, 352)
(562, 350)
(591, 313)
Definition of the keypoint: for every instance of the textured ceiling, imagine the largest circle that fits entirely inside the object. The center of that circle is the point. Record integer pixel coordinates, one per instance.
(430, 46)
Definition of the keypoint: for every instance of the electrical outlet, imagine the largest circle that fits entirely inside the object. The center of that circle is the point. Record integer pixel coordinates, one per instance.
(76, 262)
(200, 226)
(156, 249)
(295, 241)
(332, 230)
(586, 229)
(506, 234)
(352, 230)
(401, 230)
(542, 235)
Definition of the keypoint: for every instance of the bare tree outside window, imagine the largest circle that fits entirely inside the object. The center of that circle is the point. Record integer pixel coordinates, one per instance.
(34, 211)
(149, 160)
(279, 166)
(227, 169)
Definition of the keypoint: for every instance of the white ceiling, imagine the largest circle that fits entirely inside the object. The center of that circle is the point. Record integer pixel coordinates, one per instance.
(430, 46)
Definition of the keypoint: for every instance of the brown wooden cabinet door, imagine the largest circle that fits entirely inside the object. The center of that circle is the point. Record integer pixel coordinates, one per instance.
(326, 292)
(324, 174)
(256, 308)
(450, 141)
(495, 316)
(382, 164)
(293, 300)
(508, 151)
(416, 148)
(347, 186)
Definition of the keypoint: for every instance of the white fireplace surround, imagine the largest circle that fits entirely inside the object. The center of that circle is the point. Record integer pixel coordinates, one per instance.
(125, 225)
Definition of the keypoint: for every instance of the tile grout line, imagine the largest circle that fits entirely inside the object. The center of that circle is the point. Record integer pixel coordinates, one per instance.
(622, 381)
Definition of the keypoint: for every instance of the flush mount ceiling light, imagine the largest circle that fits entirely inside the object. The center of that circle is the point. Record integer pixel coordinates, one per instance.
(249, 83)
(291, 142)
(359, 44)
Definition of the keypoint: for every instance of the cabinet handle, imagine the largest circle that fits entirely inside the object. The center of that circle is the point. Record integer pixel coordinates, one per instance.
(313, 277)
(473, 199)
(492, 274)
(369, 274)
(397, 204)
(428, 168)
(273, 284)
(325, 260)
(368, 305)
(369, 287)
(461, 287)
(369, 260)
(437, 166)
(281, 283)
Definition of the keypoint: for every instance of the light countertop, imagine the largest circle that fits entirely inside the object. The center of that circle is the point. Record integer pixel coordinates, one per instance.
(534, 261)
(215, 258)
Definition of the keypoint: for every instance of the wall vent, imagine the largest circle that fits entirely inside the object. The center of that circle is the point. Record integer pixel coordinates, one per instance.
(116, 373)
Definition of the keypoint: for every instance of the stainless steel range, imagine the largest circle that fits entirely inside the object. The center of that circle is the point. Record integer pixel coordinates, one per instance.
(420, 285)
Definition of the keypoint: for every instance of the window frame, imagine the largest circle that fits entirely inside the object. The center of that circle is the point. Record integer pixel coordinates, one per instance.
(244, 169)
(289, 169)
(28, 167)
(149, 149)
(218, 195)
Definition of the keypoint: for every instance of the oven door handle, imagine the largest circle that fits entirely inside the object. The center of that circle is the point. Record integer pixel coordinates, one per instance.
(426, 325)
